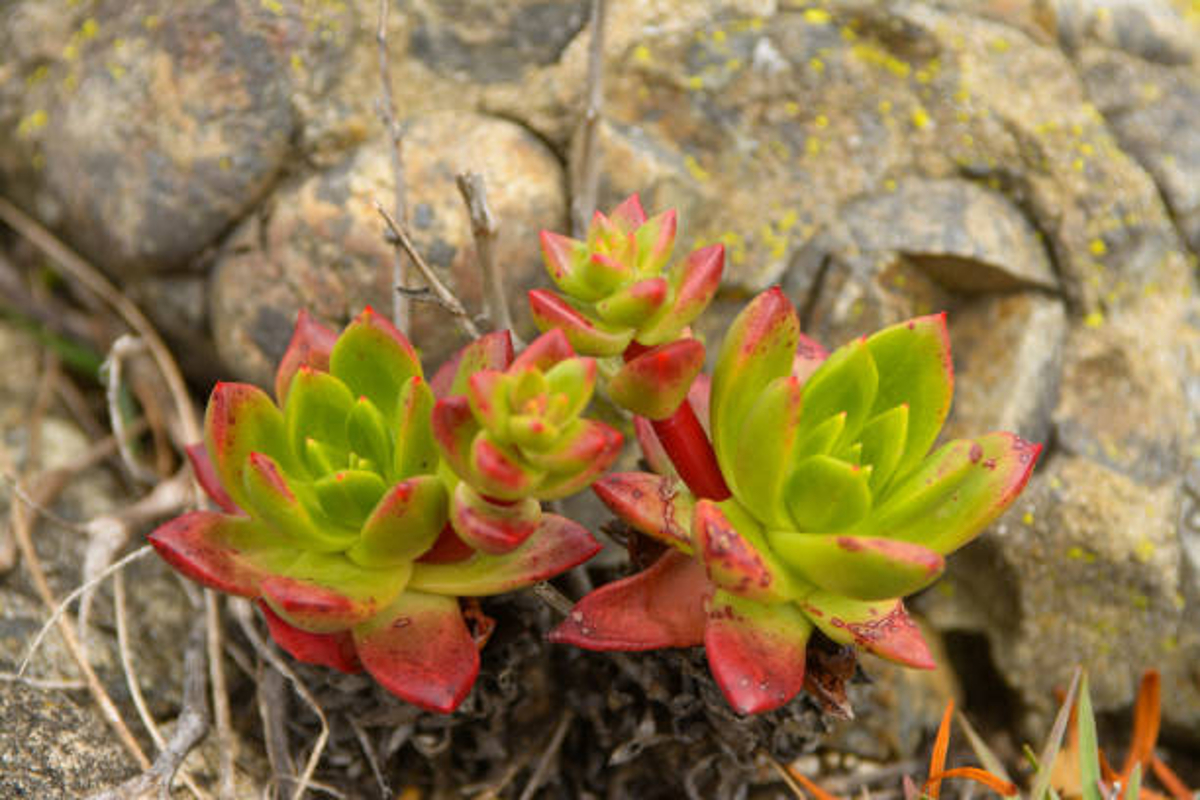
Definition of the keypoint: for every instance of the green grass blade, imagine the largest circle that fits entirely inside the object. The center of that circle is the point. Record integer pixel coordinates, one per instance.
(1045, 761)
(1089, 748)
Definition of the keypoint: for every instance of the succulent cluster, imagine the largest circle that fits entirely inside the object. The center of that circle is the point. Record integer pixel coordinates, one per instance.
(359, 509)
(838, 509)
(335, 509)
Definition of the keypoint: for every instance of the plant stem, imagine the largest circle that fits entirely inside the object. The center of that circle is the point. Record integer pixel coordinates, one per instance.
(686, 444)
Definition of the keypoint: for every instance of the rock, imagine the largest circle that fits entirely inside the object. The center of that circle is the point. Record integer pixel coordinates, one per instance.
(1154, 30)
(52, 748)
(1008, 356)
(1155, 112)
(320, 242)
(154, 127)
(1084, 569)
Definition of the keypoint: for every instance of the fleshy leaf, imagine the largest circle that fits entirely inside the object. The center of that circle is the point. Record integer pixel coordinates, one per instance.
(846, 382)
(326, 592)
(655, 241)
(756, 652)
(578, 447)
(420, 650)
(861, 567)
(587, 338)
(348, 496)
(564, 258)
(497, 471)
(334, 650)
(310, 347)
(758, 348)
(544, 352)
(736, 555)
(656, 505)
(492, 527)
(881, 627)
(273, 501)
(318, 406)
(964, 486)
(558, 485)
(368, 434)
(827, 494)
(763, 453)
(883, 440)
(575, 379)
(654, 383)
(229, 554)
(454, 430)
(662, 606)
(404, 524)
(556, 546)
(487, 391)
(490, 351)
(914, 367)
(416, 453)
(374, 359)
(241, 419)
(629, 215)
(695, 281)
(634, 303)
(206, 475)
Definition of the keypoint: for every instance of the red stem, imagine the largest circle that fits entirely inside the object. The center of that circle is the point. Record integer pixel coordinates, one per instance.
(686, 444)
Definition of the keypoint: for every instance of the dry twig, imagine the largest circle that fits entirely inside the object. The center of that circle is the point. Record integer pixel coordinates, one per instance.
(124, 347)
(552, 747)
(401, 307)
(445, 296)
(585, 168)
(484, 228)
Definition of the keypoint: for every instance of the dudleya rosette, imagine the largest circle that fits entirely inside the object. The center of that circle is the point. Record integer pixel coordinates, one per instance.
(335, 512)
(838, 507)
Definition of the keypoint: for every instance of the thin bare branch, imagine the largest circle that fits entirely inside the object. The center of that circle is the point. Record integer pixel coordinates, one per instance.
(124, 347)
(553, 597)
(440, 289)
(273, 711)
(189, 730)
(547, 758)
(401, 307)
(364, 741)
(220, 694)
(585, 167)
(484, 228)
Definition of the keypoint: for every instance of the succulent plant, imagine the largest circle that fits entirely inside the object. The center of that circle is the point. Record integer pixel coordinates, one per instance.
(515, 436)
(334, 511)
(837, 509)
(619, 299)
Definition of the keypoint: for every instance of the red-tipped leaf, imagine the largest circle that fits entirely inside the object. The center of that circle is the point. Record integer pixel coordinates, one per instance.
(334, 650)
(374, 359)
(241, 419)
(420, 650)
(206, 475)
(326, 593)
(629, 215)
(656, 505)
(881, 627)
(229, 554)
(654, 383)
(310, 347)
(695, 280)
(404, 524)
(492, 528)
(736, 555)
(490, 351)
(586, 337)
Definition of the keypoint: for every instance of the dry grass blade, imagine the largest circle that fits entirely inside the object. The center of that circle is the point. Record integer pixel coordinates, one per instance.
(809, 786)
(937, 761)
(1167, 777)
(991, 762)
(980, 776)
(547, 758)
(1050, 750)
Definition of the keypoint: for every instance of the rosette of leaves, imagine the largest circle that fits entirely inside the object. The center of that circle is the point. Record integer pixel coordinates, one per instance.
(619, 298)
(513, 436)
(334, 514)
(838, 507)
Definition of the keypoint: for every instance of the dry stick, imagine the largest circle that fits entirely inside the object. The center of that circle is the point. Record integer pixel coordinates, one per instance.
(241, 612)
(216, 673)
(543, 765)
(95, 282)
(124, 347)
(368, 749)
(272, 710)
(585, 170)
(401, 304)
(443, 293)
(484, 228)
(189, 729)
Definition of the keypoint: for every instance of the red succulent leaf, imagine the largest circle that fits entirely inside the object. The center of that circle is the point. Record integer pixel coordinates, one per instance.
(606, 442)
(552, 312)
(544, 352)
(657, 505)
(662, 606)
(809, 355)
(556, 546)
(326, 592)
(206, 475)
(334, 650)
(497, 471)
(756, 651)
(579, 447)
(655, 382)
(454, 429)
(629, 215)
(696, 280)
(490, 351)
(310, 347)
(737, 556)
(229, 554)
(448, 549)
(241, 419)
(492, 527)
(420, 650)
(880, 627)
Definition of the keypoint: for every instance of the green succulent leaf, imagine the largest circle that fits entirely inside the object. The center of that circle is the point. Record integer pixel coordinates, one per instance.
(404, 524)
(694, 282)
(655, 239)
(492, 528)
(633, 304)
(915, 369)
(374, 360)
(956, 492)
(416, 452)
(845, 382)
(564, 259)
(241, 419)
(860, 567)
(226, 553)
(499, 471)
(826, 494)
(318, 408)
(587, 336)
(488, 391)
(881, 627)
(656, 382)
(883, 439)
(348, 496)
(758, 348)
(735, 552)
(557, 485)
(764, 451)
(574, 379)
(820, 440)
(310, 346)
(490, 351)
(275, 502)
(368, 435)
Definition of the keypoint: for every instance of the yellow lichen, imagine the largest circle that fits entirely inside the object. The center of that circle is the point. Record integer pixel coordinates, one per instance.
(1144, 550)
(816, 16)
(879, 57)
(816, 65)
(812, 145)
(641, 54)
(821, 121)
(694, 169)
(33, 123)
(1097, 247)
(920, 118)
